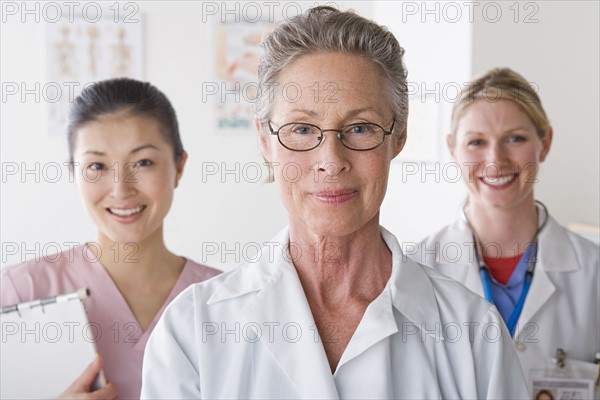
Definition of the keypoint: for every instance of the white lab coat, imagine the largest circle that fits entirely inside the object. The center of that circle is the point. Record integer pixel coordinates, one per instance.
(562, 308)
(250, 333)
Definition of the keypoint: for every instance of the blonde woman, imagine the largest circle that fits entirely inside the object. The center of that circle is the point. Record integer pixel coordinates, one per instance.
(542, 278)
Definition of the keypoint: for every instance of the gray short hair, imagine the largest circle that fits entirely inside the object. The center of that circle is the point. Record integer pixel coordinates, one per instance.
(324, 29)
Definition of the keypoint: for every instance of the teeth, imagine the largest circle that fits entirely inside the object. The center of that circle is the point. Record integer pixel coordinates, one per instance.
(126, 213)
(498, 181)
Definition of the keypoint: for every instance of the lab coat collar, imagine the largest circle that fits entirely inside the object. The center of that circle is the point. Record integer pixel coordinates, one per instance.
(411, 290)
(455, 252)
(555, 255)
(378, 322)
(459, 249)
(254, 276)
(556, 252)
(281, 300)
(281, 303)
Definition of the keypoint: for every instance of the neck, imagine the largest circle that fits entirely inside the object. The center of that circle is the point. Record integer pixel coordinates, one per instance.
(144, 261)
(503, 232)
(335, 269)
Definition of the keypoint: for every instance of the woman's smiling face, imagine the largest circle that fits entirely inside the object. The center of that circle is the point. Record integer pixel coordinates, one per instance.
(126, 173)
(499, 151)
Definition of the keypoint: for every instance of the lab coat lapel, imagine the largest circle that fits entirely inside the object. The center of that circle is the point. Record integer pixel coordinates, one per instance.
(555, 255)
(473, 279)
(467, 274)
(282, 303)
(413, 296)
(461, 267)
(541, 290)
(377, 323)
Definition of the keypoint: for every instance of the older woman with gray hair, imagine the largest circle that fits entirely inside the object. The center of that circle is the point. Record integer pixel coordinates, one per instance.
(332, 308)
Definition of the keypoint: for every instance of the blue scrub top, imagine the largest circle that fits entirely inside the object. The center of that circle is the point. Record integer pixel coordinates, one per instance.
(505, 297)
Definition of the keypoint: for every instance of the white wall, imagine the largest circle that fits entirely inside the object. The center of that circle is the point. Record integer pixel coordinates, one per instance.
(438, 55)
(38, 217)
(178, 59)
(560, 53)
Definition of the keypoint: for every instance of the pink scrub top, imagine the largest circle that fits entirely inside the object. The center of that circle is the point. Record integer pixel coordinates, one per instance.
(119, 338)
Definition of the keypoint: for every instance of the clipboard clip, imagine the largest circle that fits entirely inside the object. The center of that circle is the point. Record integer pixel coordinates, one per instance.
(79, 294)
(561, 357)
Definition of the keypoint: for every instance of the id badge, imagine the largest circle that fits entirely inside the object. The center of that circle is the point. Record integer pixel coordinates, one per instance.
(575, 380)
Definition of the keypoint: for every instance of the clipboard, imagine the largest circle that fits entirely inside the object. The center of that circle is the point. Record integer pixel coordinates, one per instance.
(45, 345)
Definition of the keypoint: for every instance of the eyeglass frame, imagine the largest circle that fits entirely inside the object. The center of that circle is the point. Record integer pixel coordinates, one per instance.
(338, 131)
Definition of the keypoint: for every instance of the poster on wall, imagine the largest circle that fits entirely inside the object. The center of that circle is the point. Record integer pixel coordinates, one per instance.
(80, 52)
(237, 50)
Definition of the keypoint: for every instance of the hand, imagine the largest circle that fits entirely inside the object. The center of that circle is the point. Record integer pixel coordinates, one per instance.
(80, 389)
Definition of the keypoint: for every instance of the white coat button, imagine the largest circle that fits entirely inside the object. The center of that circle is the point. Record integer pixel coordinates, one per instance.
(520, 346)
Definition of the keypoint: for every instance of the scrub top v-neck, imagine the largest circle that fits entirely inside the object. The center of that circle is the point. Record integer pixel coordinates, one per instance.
(118, 336)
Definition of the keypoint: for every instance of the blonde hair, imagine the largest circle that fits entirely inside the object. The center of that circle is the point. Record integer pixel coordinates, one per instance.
(501, 84)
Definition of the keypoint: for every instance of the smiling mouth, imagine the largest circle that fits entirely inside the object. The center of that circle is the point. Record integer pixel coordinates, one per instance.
(498, 180)
(335, 197)
(121, 212)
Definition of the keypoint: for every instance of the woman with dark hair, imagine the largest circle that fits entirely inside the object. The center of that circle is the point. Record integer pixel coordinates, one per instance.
(127, 157)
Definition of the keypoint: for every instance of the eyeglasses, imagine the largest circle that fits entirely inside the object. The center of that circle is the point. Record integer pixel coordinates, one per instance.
(298, 136)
